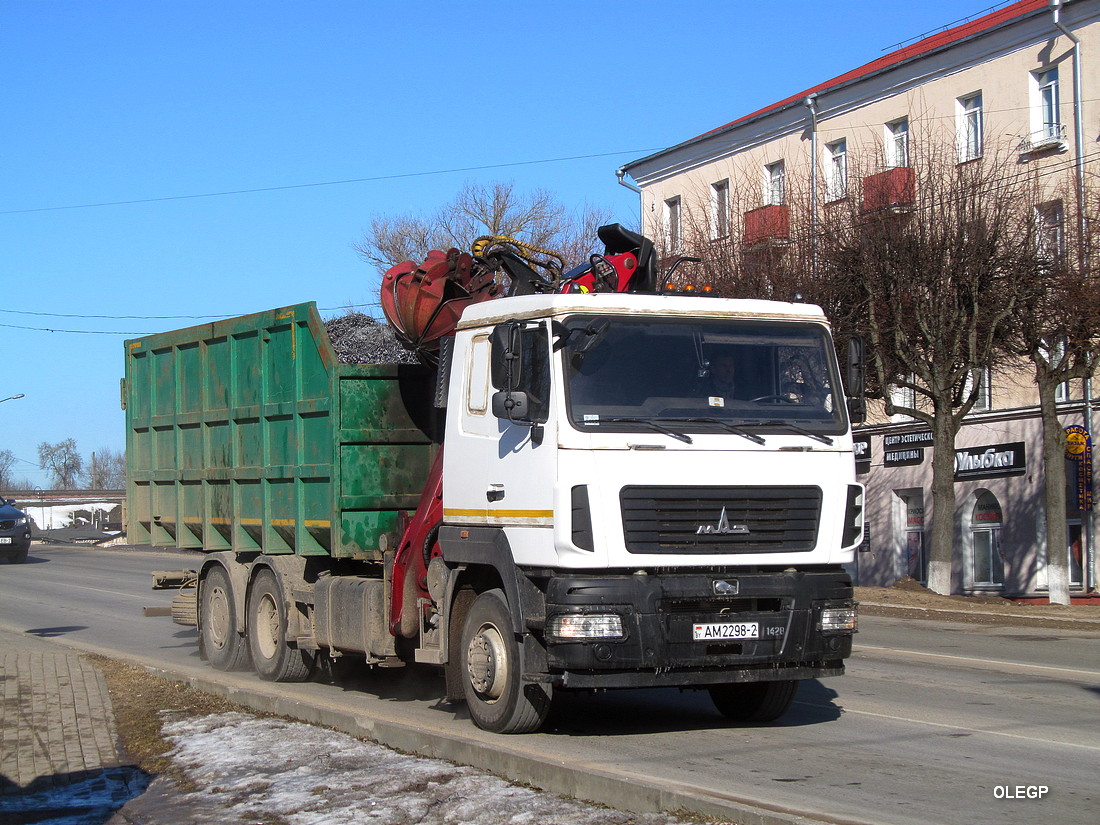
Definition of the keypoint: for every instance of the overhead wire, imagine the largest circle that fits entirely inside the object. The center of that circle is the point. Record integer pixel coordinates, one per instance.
(1006, 181)
(346, 181)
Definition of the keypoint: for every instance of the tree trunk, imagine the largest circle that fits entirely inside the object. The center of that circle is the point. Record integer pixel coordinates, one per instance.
(941, 555)
(1054, 476)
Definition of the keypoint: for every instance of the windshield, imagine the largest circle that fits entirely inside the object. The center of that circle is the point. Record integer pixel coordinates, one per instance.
(727, 375)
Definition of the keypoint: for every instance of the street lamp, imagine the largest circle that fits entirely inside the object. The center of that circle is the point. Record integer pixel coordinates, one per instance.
(11, 398)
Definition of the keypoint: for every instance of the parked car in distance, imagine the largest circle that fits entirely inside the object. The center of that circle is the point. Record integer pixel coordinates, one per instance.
(15, 532)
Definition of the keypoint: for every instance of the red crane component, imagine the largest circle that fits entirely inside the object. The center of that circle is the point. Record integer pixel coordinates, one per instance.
(423, 302)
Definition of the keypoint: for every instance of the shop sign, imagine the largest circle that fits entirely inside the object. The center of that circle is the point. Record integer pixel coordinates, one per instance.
(861, 445)
(993, 461)
(905, 457)
(917, 439)
(1079, 450)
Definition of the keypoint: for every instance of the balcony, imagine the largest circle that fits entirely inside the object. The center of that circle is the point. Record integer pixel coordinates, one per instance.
(894, 189)
(768, 224)
(1050, 138)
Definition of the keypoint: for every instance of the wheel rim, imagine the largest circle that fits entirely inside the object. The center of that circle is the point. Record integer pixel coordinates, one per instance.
(487, 663)
(218, 625)
(267, 626)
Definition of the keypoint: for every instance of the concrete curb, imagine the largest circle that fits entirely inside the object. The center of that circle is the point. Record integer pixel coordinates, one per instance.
(588, 782)
(947, 611)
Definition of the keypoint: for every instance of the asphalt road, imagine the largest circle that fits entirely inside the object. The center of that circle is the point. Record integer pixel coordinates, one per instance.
(935, 722)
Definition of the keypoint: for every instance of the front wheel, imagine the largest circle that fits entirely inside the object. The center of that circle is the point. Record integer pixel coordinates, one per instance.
(754, 702)
(272, 658)
(498, 697)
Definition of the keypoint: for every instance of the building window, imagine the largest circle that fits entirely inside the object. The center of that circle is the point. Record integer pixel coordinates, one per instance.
(971, 127)
(775, 184)
(983, 401)
(1051, 236)
(905, 397)
(988, 567)
(672, 223)
(720, 204)
(1049, 120)
(836, 171)
(897, 143)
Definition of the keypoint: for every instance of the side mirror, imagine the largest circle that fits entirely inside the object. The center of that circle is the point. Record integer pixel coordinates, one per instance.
(856, 369)
(506, 356)
(510, 404)
(519, 368)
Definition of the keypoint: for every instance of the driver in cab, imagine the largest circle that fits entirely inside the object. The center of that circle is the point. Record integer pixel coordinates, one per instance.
(721, 385)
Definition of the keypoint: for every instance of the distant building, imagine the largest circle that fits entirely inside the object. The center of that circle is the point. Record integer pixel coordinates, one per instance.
(1026, 73)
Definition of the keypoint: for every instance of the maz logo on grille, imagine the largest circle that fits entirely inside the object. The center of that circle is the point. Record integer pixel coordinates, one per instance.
(723, 527)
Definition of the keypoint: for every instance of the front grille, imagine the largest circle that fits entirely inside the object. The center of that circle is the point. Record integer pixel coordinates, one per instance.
(690, 519)
(7, 524)
(720, 605)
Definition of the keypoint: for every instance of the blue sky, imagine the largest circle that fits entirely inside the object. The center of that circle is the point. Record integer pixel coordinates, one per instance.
(106, 101)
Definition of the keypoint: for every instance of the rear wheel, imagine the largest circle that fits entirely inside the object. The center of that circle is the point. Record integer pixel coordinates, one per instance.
(498, 697)
(221, 644)
(272, 658)
(754, 702)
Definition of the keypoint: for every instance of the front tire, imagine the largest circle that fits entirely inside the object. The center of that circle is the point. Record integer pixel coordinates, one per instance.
(498, 697)
(754, 702)
(272, 658)
(220, 642)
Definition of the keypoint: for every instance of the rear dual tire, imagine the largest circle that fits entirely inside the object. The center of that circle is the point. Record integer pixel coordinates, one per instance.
(220, 643)
(273, 659)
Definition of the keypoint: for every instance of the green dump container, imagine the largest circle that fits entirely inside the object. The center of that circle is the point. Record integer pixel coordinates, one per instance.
(248, 435)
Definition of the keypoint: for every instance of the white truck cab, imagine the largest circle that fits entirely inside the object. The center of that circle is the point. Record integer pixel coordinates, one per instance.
(670, 482)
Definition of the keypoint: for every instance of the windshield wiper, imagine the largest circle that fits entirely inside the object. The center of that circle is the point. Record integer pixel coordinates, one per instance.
(824, 439)
(649, 422)
(753, 437)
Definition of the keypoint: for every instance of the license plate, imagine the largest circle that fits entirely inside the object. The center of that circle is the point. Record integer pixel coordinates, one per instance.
(726, 630)
(5, 539)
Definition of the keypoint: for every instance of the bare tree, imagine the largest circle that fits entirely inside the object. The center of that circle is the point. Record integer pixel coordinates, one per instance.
(62, 461)
(106, 470)
(498, 209)
(932, 260)
(1057, 327)
(7, 463)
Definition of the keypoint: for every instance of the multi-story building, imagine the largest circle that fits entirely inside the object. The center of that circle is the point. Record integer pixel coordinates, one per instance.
(1020, 83)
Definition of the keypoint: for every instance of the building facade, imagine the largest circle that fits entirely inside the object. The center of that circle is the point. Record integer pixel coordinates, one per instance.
(1019, 86)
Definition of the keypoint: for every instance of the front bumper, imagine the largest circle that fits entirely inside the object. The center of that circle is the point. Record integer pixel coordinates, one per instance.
(658, 613)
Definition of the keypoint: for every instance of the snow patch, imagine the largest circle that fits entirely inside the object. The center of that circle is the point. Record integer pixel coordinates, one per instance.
(253, 769)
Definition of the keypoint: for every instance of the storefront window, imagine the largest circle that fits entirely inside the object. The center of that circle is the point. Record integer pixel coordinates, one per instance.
(985, 528)
(914, 562)
(1076, 553)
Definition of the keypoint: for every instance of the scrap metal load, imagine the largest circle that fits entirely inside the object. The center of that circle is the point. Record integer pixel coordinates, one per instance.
(424, 301)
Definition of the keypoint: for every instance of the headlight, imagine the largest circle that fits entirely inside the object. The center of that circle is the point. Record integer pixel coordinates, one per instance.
(591, 626)
(838, 620)
(19, 522)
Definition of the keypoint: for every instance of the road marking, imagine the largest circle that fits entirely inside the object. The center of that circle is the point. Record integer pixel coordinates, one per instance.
(1044, 740)
(101, 590)
(972, 661)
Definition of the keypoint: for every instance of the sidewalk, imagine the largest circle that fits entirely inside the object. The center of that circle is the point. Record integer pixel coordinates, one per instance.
(59, 757)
